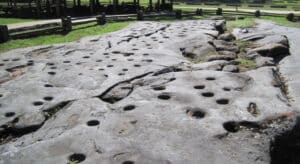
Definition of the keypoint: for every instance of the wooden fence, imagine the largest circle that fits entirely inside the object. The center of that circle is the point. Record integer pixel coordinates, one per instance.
(66, 23)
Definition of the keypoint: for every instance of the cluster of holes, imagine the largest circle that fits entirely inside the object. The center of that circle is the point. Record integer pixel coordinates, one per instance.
(9, 114)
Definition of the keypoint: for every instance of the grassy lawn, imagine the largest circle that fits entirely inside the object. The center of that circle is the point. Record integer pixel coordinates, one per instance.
(247, 22)
(250, 21)
(14, 20)
(77, 33)
(282, 21)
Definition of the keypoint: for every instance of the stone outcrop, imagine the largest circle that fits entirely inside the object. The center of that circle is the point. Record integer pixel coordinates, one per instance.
(149, 93)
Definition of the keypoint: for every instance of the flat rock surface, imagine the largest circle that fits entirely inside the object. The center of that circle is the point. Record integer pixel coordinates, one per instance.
(134, 96)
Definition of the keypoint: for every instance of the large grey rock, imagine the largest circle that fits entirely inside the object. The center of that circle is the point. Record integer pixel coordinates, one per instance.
(222, 45)
(220, 57)
(264, 61)
(271, 50)
(231, 68)
(166, 108)
(279, 39)
(227, 37)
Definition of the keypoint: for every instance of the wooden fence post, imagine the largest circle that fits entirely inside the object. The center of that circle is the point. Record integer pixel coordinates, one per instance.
(140, 15)
(101, 20)
(178, 14)
(257, 13)
(199, 12)
(66, 24)
(219, 11)
(4, 36)
(290, 17)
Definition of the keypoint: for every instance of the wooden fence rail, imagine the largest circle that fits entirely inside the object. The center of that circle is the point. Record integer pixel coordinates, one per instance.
(66, 23)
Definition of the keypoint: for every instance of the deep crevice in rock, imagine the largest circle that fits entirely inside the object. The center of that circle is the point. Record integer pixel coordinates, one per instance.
(117, 92)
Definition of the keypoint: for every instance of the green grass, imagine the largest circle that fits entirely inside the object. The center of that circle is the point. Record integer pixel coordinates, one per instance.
(246, 62)
(247, 22)
(14, 20)
(77, 33)
(282, 21)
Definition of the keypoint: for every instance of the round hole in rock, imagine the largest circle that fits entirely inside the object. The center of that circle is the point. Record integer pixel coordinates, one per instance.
(48, 98)
(136, 65)
(15, 59)
(1, 95)
(146, 54)
(9, 114)
(226, 89)
(222, 101)
(199, 86)
(93, 123)
(121, 74)
(77, 157)
(129, 107)
(116, 52)
(128, 162)
(130, 59)
(110, 65)
(207, 94)
(124, 69)
(114, 59)
(86, 57)
(105, 53)
(172, 79)
(158, 88)
(1, 64)
(51, 73)
(66, 61)
(5, 60)
(101, 69)
(210, 78)
(164, 96)
(37, 103)
(53, 67)
(50, 63)
(195, 113)
(99, 60)
(48, 85)
(231, 126)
